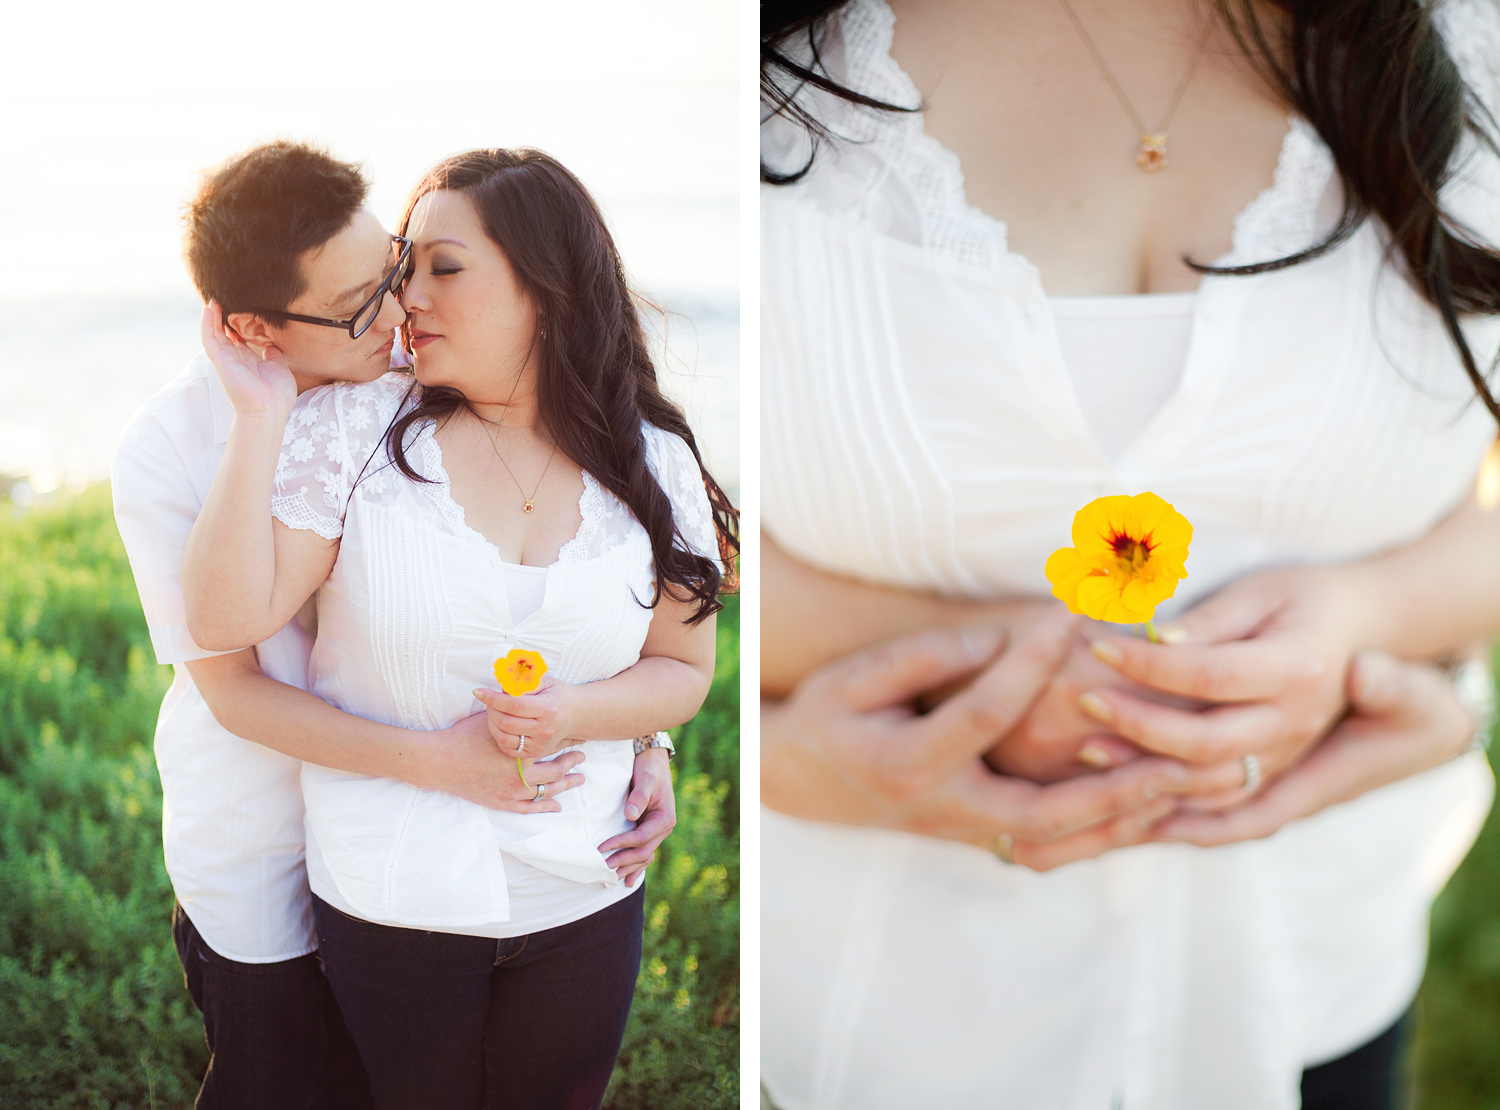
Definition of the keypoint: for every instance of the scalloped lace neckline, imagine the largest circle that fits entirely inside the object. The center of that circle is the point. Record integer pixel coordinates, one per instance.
(591, 509)
(1281, 218)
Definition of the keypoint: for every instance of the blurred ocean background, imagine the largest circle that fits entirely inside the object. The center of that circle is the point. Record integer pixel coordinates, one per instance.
(96, 310)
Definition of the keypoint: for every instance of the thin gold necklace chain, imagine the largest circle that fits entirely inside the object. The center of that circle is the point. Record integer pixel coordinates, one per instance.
(526, 507)
(1115, 85)
(495, 446)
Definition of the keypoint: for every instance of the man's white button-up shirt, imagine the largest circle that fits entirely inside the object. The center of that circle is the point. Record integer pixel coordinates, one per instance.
(232, 812)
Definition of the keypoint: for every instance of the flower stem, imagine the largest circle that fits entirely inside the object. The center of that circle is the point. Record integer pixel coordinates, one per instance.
(1151, 630)
(522, 772)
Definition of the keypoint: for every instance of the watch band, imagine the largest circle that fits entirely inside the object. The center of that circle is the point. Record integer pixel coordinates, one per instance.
(1476, 693)
(655, 740)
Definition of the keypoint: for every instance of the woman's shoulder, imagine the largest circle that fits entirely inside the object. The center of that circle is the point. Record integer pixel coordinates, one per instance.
(668, 454)
(385, 393)
(355, 414)
(331, 435)
(339, 425)
(677, 471)
(1471, 31)
(853, 48)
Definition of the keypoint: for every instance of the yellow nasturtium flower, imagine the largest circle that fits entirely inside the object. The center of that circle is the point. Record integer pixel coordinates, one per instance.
(520, 672)
(1126, 559)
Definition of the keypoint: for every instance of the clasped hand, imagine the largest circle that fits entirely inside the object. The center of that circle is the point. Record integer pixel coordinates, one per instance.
(535, 725)
(849, 746)
(1268, 667)
(1259, 669)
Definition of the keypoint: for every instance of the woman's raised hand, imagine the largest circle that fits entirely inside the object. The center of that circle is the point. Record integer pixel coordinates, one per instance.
(848, 746)
(1267, 657)
(255, 385)
(1405, 718)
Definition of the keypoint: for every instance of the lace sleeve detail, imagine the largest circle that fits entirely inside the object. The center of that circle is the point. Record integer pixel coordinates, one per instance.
(1471, 31)
(309, 489)
(672, 462)
(330, 437)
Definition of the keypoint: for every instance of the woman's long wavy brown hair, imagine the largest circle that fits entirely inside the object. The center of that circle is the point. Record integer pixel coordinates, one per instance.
(596, 383)
(1373, 77)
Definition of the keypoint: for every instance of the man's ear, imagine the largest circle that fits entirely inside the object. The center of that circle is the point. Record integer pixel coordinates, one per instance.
(253, 330)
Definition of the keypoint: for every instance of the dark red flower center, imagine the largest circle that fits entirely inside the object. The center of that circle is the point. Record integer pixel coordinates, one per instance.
(1132, 552)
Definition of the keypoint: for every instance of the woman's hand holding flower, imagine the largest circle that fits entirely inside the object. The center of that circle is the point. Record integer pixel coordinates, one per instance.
(1405, 718)
(462, 760)
(1057, 740)
(1266, 658)
(546, 717)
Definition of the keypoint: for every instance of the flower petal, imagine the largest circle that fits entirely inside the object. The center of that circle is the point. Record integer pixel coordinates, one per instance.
(520, 671)
(1107, 579)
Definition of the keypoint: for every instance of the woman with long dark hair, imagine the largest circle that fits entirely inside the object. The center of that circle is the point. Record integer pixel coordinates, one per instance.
(530, 491)
(1021, 255)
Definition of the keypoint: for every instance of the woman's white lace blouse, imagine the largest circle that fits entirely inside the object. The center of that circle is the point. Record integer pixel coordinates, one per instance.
(410, 622)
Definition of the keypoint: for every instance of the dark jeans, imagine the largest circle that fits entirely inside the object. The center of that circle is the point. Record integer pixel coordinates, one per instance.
(1364, 1079)
(275, 1037)
(447, 1021)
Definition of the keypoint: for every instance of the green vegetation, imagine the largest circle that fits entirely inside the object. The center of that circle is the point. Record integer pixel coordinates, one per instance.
(1455, 1060)
(93, 1012)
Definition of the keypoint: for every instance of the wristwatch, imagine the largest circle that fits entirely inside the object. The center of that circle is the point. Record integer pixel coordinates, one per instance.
(1476, 693)
(655, 740)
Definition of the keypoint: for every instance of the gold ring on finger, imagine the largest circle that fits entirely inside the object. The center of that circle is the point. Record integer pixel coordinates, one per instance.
(1004, 849)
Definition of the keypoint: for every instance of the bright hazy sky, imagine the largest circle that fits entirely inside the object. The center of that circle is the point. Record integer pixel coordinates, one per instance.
(115, 107)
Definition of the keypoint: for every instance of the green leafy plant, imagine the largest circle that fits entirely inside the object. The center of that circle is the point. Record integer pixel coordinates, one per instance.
(93, 1011)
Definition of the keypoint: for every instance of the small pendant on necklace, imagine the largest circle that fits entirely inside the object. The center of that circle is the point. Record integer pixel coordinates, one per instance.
(1153, 153)
(526, 508)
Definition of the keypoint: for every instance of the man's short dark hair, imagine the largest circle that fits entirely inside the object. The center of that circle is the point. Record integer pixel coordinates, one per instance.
(256, 213)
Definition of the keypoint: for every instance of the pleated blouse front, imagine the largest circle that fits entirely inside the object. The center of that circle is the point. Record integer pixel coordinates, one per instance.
(920, 429)
(411, 620)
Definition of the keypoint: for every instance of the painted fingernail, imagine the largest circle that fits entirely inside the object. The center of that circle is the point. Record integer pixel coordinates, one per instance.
(1171, 634)
(1096, 707)
(1095, 756)
(1108, 652)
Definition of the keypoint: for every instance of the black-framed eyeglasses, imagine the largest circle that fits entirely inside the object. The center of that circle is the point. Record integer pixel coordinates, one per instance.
(365, 315)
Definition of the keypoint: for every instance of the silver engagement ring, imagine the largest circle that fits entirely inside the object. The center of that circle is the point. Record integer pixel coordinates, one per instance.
(1252, 774)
